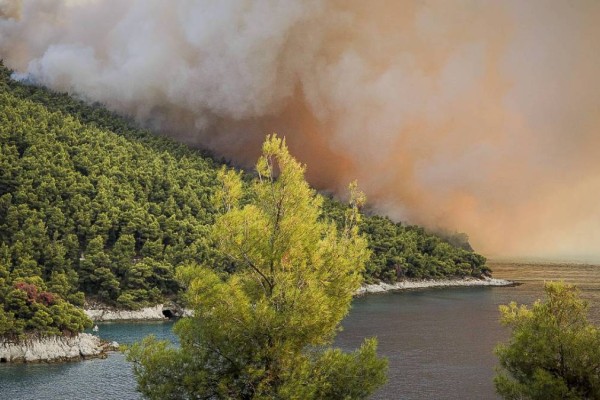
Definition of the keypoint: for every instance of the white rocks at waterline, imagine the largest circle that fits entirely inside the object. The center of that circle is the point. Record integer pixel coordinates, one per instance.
(162, 312)
(55, 348)
(154, 313)
(414, 284)
(159, 312)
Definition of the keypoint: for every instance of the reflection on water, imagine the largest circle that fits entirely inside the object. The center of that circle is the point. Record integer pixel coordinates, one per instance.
(439, 341)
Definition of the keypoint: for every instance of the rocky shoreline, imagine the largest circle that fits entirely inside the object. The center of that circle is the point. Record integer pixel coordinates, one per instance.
(159, 312)
(424, 284)
(144, 314)
(84, 345)
(164, 312)
(55, 349)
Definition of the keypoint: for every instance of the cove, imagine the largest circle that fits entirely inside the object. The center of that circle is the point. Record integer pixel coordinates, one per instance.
(439, 342)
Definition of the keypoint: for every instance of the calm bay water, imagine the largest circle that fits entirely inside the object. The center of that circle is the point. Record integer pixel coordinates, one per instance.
(439, 341)
(109, 378)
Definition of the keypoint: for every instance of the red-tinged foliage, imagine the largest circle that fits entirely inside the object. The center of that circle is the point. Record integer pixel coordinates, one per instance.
(47, 298)
(30, 289)
(33, 294)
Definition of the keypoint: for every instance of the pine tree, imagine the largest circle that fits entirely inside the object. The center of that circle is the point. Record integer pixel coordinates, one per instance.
(553, 352)
(263, 331)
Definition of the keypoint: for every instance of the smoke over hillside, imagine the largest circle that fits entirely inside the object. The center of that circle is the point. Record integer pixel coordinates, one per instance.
(477, 116)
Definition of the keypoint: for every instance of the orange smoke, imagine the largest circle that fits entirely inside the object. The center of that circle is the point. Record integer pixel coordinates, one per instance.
(476, 116)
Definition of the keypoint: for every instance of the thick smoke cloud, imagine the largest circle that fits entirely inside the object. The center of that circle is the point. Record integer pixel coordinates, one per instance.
(477, 116)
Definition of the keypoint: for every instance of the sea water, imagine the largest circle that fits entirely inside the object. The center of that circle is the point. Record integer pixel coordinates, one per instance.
(439, 342)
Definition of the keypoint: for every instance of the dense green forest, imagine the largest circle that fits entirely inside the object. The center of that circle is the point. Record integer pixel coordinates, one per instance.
(94, 208)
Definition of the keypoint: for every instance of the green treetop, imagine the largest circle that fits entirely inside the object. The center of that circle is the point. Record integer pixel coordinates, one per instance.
(263, 331)
(553, 352)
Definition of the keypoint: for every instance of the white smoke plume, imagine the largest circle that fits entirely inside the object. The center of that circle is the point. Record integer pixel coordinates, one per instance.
(471, 115)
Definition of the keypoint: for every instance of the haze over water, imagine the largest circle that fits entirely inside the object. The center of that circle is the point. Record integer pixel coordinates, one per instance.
(439, 341)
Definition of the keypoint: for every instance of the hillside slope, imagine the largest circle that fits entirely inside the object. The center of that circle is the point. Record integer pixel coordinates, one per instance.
(92, 206)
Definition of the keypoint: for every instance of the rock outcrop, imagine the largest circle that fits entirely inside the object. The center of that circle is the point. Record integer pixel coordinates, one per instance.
(144, 314)
(55, 349)
(159, 312)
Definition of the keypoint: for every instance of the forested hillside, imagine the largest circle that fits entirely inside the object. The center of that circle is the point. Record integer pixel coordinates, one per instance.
(93, 207)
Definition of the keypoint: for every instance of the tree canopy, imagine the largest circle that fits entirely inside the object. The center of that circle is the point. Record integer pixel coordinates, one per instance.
(553, 352)
(263, 331)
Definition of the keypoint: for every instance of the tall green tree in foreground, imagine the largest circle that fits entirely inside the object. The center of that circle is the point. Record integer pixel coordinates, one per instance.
(553, 353)
(263, 332)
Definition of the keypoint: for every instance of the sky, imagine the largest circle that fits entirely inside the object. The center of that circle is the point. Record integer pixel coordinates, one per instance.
(474, 116)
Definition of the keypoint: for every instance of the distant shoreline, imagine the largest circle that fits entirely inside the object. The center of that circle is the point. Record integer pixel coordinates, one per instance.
(157, 312)
(425, 284)
(532, 261)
